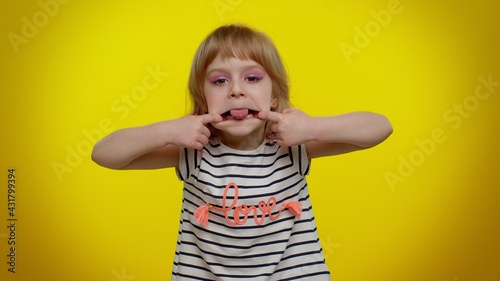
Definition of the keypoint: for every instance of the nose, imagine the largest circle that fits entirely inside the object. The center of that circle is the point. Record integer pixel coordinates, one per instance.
(236, 90)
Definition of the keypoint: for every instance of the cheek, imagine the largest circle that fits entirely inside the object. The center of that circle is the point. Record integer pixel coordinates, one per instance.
(209, 97)
(268, 87)
(266, 92)
(212, 102)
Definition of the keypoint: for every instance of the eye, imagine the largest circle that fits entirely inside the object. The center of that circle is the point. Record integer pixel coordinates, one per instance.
(253, 79)
(219, 81)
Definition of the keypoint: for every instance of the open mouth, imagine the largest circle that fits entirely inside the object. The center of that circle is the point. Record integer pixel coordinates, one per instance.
(239, 114)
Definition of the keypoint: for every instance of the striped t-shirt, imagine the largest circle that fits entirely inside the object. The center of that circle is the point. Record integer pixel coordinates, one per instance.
(249, 234)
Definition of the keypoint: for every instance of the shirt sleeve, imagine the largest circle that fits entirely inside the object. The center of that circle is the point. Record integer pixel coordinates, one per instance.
(189, 161)
(300, 159)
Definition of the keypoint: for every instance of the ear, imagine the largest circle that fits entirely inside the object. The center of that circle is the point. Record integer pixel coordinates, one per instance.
(274, 103)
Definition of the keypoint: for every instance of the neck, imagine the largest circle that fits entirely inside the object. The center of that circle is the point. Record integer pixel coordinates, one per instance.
(249, 142)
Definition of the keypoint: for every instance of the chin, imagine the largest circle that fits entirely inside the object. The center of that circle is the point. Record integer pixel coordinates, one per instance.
(239, 128)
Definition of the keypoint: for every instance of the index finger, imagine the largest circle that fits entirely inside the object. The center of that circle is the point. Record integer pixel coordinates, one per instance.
(210, 118)
(269, 115)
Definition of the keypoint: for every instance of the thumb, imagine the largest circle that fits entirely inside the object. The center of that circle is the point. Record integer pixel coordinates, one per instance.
(210, 118)
(269, 115)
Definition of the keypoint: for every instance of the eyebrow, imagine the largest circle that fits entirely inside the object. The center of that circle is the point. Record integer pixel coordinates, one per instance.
(223, 69)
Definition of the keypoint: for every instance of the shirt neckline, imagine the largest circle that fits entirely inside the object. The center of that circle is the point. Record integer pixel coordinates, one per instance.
(226, 148)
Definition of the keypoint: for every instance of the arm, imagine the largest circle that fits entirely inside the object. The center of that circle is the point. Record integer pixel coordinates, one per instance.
(330, 135)
(153, 146)
(347, 132)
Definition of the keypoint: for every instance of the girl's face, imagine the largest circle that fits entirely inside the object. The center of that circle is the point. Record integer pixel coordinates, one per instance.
(237, 90)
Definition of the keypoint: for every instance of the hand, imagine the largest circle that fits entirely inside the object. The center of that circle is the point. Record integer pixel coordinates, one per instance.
(192, 131)
(291, 127)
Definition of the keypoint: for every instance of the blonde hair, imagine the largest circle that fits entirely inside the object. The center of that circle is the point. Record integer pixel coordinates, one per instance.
(243, 42)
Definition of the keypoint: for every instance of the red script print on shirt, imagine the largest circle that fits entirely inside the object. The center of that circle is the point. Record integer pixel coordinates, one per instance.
(263, 207)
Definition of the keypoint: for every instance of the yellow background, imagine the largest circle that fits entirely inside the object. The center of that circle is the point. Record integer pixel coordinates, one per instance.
(65, 83)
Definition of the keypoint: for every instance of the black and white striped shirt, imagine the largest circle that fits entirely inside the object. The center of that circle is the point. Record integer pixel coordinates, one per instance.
(272, 244)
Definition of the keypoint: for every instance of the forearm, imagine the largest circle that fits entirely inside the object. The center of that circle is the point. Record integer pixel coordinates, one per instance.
(363, 129)
(123, 146)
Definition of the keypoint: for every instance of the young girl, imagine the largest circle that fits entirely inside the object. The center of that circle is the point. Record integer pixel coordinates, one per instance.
(243, 155)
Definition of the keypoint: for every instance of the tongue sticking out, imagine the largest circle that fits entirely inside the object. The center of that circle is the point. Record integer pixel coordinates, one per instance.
(239, 113)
